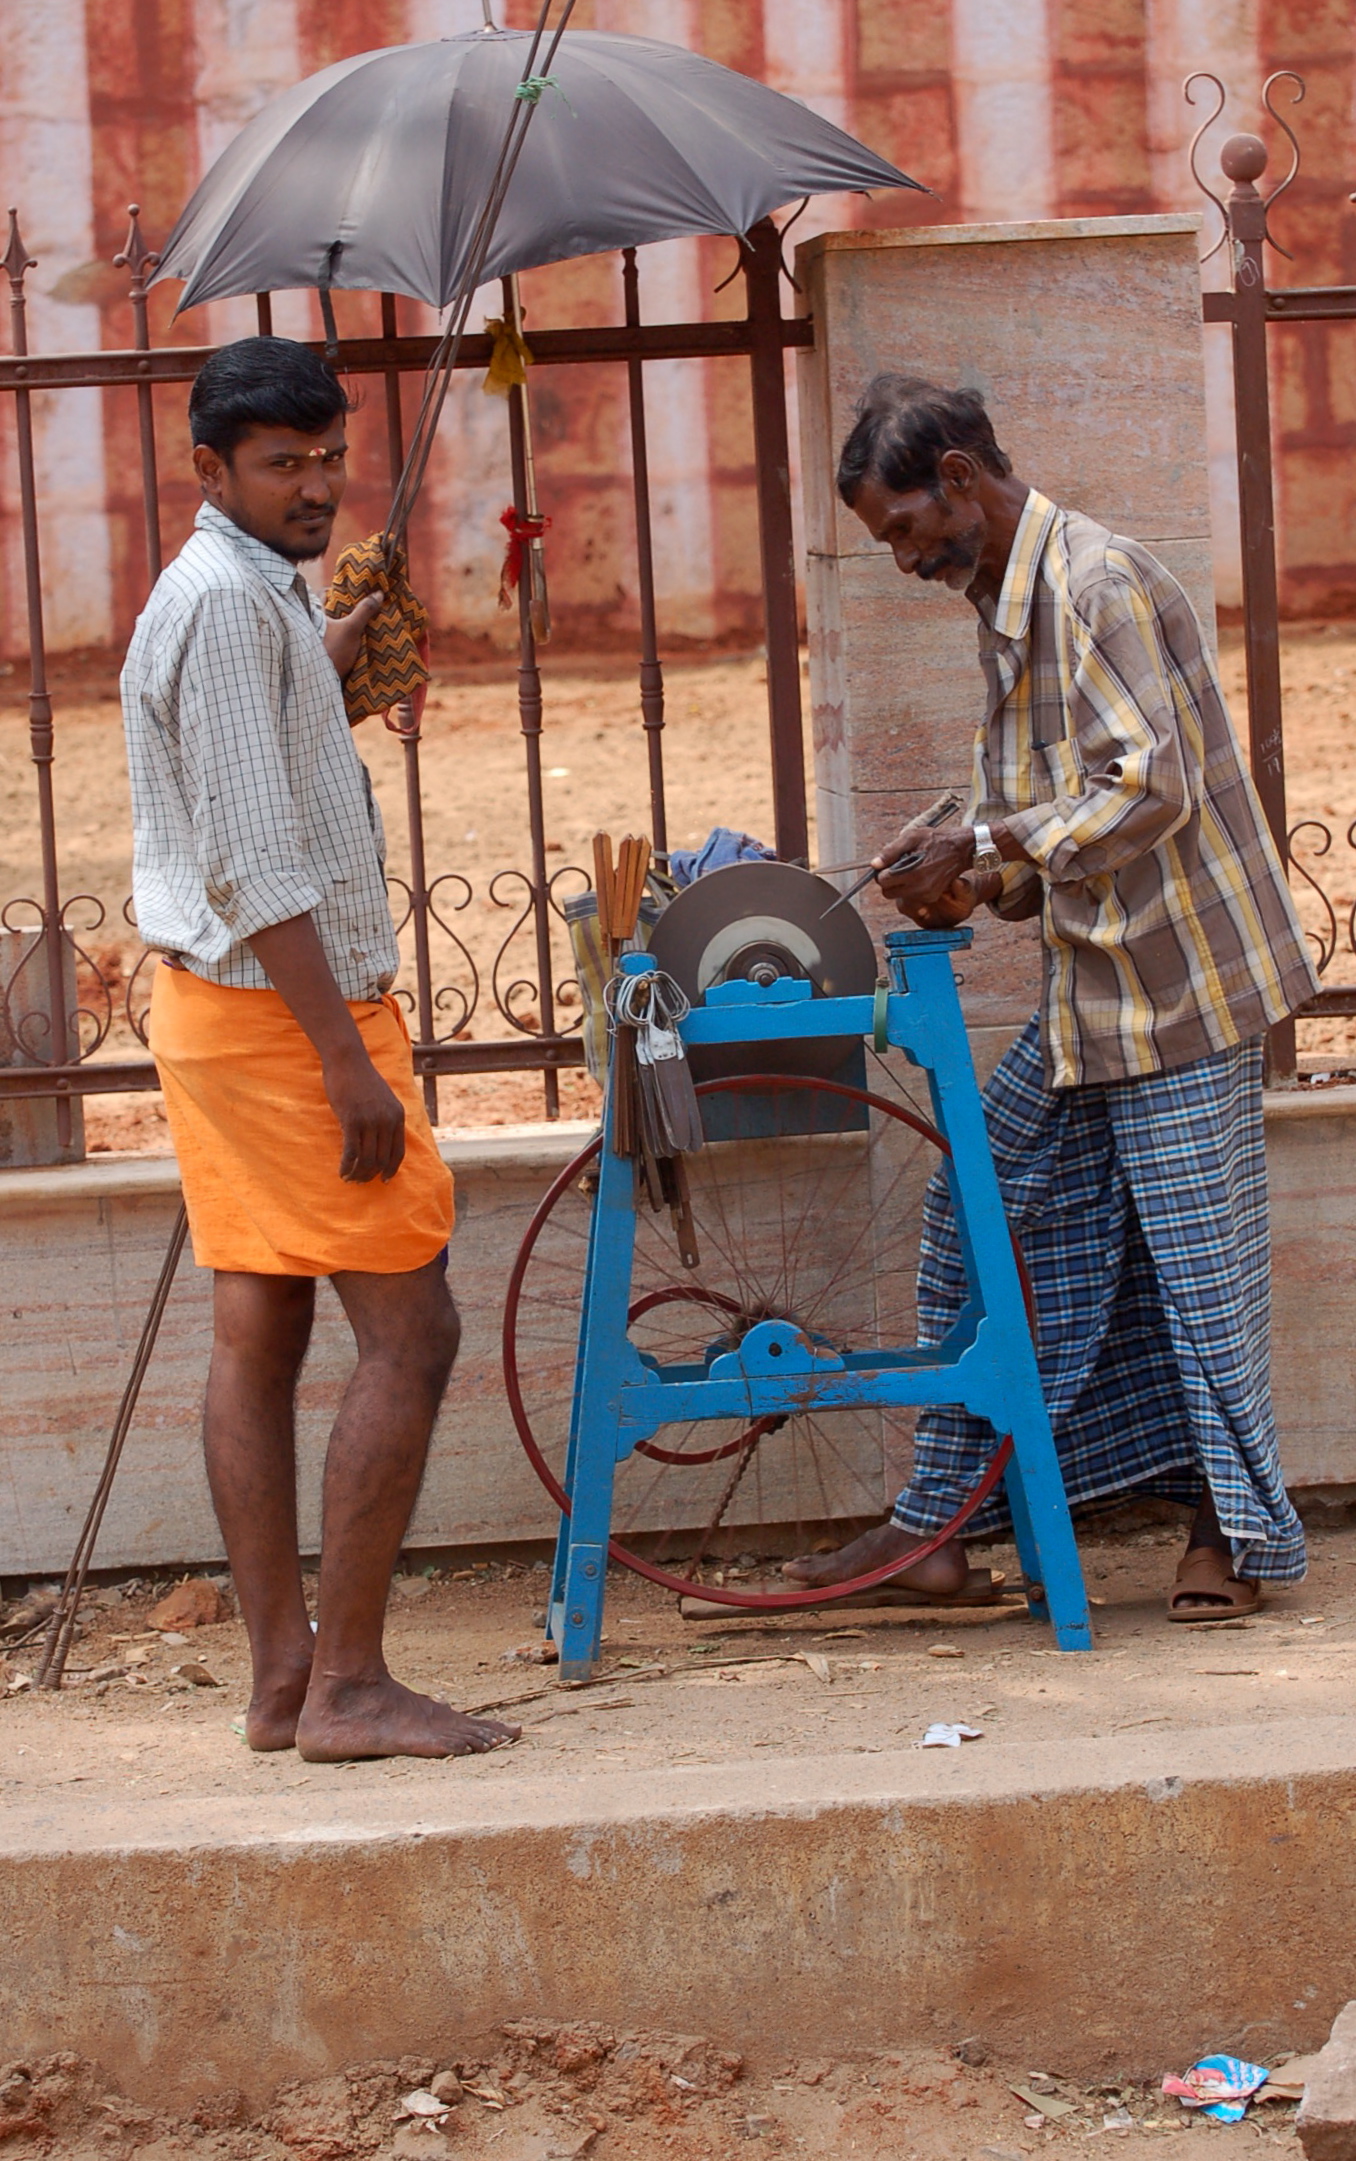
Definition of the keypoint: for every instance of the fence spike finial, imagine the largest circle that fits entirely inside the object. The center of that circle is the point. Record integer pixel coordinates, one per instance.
(134, 255)
(16, 259)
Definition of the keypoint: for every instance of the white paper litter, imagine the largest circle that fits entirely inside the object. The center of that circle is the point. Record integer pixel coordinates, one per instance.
(942, 1735)
(422, 2104)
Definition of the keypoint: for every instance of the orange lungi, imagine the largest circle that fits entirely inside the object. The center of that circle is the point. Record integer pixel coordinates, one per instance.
(259, 1146)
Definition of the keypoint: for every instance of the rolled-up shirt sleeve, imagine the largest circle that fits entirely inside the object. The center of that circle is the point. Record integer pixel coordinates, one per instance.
(236, 785)
(1021, 894)
(1121, 778)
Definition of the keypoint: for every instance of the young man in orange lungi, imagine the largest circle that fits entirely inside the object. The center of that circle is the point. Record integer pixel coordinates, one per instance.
(302, 1141)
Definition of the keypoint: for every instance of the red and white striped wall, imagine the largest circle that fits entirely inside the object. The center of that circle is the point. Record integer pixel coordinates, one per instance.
(1032, 109)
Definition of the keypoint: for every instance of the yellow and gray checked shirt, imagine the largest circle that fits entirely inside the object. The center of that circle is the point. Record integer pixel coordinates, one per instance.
(1108, 750)
(250, 804)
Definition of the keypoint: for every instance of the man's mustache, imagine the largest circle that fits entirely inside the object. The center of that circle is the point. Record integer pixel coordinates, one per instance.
(955, 555)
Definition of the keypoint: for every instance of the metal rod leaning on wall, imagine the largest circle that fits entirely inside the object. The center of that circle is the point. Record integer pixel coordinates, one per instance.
(530, 720)
(1243, 160)
(651, 672)
(776, 542)
(18, 262)
(61, 1627)
(134, 255)
(414, 794)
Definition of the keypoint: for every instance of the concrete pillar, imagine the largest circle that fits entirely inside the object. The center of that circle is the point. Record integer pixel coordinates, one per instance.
(1085, 337)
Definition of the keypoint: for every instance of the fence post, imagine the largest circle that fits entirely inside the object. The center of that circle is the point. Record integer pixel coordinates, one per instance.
(530, 720)
(772, 458)
(1244, 159)
(141, 261)
(18, 262)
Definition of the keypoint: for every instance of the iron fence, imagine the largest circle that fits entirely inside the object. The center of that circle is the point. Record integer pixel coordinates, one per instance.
(54, 1042)
(1252, 311)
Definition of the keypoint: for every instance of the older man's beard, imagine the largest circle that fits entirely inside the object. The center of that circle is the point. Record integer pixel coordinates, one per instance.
(962, 553)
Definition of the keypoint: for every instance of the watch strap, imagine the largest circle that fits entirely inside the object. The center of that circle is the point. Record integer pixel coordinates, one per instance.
(987, 856)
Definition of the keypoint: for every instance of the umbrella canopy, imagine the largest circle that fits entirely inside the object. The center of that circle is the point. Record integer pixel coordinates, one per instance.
(373, 173)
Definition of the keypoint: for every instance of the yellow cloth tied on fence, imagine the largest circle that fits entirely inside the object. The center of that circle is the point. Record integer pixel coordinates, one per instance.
(510, 360)
(392, 661)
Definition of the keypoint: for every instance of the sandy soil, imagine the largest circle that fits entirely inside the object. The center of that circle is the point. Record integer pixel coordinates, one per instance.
(550, 2093)
(673, 1692)
(595, 775)
(698, 1692)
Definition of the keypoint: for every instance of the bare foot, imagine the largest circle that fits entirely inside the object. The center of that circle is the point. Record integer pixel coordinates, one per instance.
(342, 1720)
(274, 1708)
(943, 1572)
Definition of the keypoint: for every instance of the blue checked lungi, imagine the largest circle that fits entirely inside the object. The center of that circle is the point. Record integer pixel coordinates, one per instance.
(1141, 1210)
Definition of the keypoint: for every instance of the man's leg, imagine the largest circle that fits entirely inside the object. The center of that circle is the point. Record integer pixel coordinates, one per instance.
(407, 1332)
(1016, 1111)
(1192, 1148)
(262, 1327)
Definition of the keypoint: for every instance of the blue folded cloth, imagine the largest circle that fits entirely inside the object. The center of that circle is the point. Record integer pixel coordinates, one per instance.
(721, 847)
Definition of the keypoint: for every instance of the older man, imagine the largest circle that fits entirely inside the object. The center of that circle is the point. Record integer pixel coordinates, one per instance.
(1109, 797)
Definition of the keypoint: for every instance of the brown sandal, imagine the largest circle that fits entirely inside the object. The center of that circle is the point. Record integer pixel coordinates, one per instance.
(1205, 1572)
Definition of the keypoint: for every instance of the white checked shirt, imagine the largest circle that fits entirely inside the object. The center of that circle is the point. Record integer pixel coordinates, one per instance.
(250, 804)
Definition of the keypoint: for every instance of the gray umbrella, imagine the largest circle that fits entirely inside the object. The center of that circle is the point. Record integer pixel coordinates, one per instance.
(373, 173)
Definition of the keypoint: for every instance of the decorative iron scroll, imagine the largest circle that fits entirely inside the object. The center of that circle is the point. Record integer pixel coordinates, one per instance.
(1336, 932)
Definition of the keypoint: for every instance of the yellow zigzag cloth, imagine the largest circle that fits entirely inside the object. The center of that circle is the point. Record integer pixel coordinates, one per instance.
(393, 661)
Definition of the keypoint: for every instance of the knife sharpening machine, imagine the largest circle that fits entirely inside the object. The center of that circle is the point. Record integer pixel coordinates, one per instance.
(770, 1374)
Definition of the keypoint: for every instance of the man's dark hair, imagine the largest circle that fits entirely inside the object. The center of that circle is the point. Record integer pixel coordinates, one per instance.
(263, 383)
(903, 430)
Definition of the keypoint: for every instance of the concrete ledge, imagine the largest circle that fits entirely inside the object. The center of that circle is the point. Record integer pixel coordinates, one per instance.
(80, 1249)
(121, 1177)
(956, 236)
(81, 1246)
(823, 1904)
(1288, 1103)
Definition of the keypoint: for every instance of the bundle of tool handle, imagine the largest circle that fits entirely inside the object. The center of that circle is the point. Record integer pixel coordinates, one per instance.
(655, 1119)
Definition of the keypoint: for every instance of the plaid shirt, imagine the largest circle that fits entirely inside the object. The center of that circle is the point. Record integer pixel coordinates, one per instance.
(1108, 750)
(250, 804)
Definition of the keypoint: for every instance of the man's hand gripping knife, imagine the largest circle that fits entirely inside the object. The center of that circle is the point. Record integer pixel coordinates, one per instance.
(940, 878)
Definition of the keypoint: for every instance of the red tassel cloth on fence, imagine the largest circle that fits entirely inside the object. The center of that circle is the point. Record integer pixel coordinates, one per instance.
(520, 532)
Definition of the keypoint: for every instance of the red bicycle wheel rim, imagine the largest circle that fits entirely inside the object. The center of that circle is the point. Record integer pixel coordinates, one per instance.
(692, 1294)
(719, 1594)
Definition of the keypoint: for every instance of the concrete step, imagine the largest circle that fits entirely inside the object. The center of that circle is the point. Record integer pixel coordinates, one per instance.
(1123, 1903)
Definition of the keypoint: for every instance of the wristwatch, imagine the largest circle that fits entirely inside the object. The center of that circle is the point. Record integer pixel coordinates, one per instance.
(986, 854)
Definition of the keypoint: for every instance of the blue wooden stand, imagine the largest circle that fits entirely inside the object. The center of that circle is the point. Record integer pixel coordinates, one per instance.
(987, 1363)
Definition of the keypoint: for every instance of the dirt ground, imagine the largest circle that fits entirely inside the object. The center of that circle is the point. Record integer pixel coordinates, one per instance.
(551, 2093)
(127, 1723)
(127, 1726)
(594, 761)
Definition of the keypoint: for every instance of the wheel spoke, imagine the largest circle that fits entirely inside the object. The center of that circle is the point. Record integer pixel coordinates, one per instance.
(820, 1228)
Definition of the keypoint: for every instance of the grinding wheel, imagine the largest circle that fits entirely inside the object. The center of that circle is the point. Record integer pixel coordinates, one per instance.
(761, 921)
